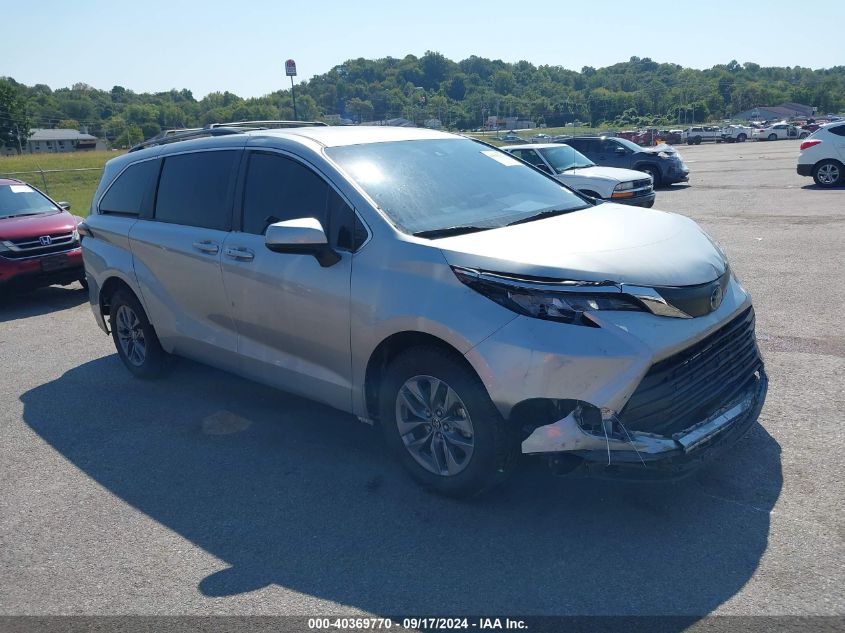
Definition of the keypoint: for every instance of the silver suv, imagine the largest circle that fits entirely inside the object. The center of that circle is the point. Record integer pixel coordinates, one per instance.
(472, 306)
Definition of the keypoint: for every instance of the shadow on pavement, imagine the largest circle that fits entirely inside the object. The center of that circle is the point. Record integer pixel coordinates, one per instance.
(21, 304)
(289, 492)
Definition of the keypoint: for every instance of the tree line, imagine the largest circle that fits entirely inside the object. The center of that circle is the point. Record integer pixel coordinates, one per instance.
(461, 95)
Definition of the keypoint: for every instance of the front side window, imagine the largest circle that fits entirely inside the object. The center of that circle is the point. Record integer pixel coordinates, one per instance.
(127, 193)
(194, 189)
(278, 189)
(20, 199)
(437, 185)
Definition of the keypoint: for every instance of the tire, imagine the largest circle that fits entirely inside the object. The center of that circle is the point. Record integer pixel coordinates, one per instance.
(83, 281)
(741, 138)
(697, 140)
(134, 338)
(828, 173)
(773, 137)
(652, 171)
(689, 141)
(471, 431)
(803, 135)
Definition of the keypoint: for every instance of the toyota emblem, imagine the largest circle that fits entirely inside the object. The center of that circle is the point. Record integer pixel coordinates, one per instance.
(716, 297)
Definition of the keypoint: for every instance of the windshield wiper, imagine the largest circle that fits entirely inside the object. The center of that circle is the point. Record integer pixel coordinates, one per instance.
(20, 215)
(578, 167)
(544, 214)
(452, 230)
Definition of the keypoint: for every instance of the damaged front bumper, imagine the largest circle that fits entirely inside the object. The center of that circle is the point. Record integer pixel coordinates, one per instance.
(611, 449)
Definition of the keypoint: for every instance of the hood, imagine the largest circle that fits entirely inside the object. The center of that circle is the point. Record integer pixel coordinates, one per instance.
(606, 242)
(659, 148)
(607, 173)
(36, 225)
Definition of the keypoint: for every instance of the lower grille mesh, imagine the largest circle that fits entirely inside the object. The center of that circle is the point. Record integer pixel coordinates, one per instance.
(687, 388)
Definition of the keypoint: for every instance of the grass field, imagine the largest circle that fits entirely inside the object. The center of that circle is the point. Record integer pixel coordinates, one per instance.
(61, 184)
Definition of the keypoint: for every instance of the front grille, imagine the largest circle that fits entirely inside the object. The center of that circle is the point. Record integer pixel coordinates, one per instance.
(32, 246)
(642, 187)
(689, 387)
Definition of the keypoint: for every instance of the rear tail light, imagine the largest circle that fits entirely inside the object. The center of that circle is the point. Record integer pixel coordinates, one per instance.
(809, 144)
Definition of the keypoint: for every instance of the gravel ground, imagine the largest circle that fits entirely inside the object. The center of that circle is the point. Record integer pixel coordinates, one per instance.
(207, 494)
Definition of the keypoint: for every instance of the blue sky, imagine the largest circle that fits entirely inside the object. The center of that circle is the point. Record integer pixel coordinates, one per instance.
(211, 45)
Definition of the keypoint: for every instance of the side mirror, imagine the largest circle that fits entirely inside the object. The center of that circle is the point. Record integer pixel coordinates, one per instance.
(303, 236)
(64, 205)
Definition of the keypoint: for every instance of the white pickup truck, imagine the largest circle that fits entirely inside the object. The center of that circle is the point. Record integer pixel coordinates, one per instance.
(695, 135)
(736, 133)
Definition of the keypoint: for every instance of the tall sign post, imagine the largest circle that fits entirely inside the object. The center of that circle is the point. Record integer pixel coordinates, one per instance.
(290, 71)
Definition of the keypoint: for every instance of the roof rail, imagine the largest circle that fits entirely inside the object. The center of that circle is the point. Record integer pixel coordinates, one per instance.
(267, 125)
(184, 136)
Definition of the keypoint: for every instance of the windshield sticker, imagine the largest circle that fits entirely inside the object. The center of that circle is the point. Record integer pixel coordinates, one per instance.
(501, 157)
(20, 188)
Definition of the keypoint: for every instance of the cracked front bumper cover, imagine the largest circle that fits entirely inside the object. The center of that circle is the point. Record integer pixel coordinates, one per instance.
(645, 454)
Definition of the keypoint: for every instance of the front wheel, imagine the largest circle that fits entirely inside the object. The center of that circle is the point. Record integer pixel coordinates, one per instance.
(741, 138)
(439, 421)
(653, 172)
(827, 173)
(773, 137)
(134, 337)
(698, 140)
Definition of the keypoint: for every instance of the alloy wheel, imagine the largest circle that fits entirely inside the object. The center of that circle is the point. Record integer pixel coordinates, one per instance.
(130, 334)
(434, 425)
(828, 174)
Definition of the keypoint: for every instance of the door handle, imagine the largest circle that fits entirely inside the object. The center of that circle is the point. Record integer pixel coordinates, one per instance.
(207, 246)
(241, 254)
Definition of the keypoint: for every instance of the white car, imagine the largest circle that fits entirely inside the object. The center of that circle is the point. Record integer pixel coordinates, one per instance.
(823, 155)
(779, 131)
(578, 172)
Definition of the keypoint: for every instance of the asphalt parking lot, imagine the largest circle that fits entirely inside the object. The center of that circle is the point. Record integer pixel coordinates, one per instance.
(206, 494)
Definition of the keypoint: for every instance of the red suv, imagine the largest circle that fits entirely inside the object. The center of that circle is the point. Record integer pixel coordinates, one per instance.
(39, 242)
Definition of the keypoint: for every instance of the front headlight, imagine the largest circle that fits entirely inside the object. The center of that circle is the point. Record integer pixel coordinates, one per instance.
(4, 247)
(624, 186)
(564, 306)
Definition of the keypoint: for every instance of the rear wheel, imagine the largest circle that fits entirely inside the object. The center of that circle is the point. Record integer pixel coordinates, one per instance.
(698, 140)
(439, 421)
(741, 138)
(134, 337)
(773, 137)
(827, 173)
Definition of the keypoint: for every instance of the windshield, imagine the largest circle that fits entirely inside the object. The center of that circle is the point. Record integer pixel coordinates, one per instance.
(629, 144)
(20, 199)
(430, 185)
(565, 157)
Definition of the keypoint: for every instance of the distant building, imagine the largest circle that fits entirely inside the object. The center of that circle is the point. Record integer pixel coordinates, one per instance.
(782, 111)
(42, 141)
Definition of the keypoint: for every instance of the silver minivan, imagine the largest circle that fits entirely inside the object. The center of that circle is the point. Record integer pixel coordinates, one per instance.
(471, 305)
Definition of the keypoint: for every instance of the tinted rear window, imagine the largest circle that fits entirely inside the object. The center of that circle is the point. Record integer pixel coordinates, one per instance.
(127, 193)
(194, 189)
